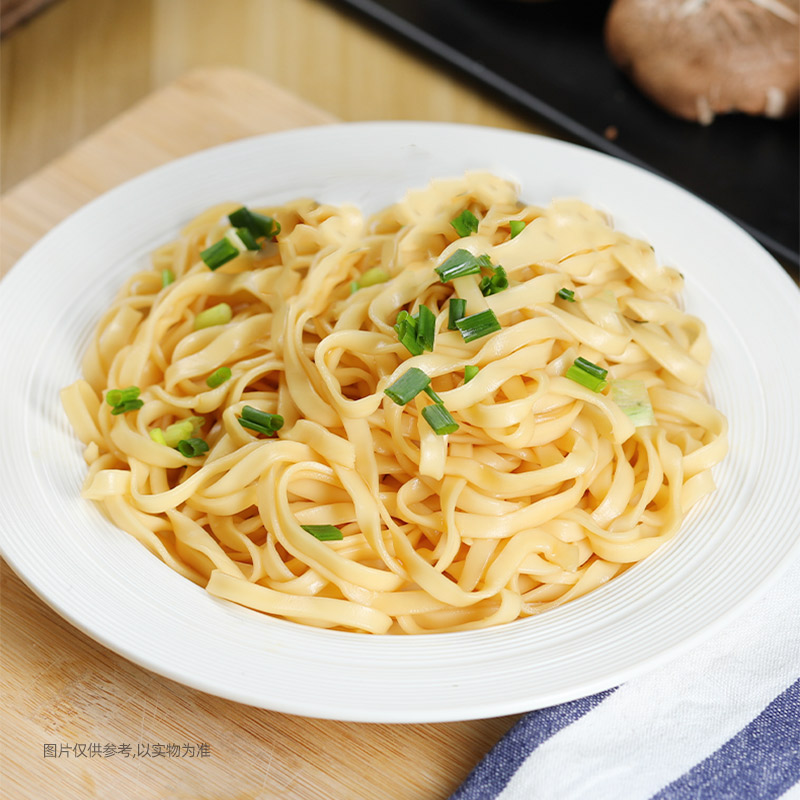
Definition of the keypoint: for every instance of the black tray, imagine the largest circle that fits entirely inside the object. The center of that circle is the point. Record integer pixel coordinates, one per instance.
(548, 57)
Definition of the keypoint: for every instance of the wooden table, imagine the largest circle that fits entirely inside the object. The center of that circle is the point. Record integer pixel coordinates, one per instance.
(78, 721)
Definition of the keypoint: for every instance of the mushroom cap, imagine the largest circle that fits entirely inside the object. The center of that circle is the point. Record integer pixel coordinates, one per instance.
(698, 58)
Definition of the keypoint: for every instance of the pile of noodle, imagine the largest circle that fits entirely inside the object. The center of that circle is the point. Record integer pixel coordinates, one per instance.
(547, 489)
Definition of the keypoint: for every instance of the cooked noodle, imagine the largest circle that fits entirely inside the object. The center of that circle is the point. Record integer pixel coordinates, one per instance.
(547, 489)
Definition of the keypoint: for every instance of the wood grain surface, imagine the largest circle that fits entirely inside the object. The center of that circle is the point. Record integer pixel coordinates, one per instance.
(79, 721)
(79, 63)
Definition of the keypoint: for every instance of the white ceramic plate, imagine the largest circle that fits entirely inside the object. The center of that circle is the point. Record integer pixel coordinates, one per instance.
(109, 586)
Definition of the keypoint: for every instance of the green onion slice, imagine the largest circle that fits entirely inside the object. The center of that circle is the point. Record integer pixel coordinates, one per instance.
(590, 367)
(494, 283)
(260, 421)
(588, 374)
(566, 294)
(247, 239)
(183, 429)
(407, 386)
(470, 371)
(478, 325)
(167, 277)
(439, 418)
(325, 533)
(218, 377)
(115, 397)
(372, 277)
(465, 223)
(219, 253)
(258, 224)
(219, 314)
(457, 310)
(461, 263)
(433, 396)
(426, 327)
(126, 406)
(632, 397)
(517, 226)
(192, 447)
(157, 435)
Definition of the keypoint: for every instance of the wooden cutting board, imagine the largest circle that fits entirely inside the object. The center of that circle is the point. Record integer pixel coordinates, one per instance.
(79, 721)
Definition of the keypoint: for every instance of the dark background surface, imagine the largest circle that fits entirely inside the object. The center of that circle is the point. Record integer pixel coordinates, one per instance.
(549, 58)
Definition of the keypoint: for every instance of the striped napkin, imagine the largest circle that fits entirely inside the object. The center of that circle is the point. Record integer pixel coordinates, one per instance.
(721, 722)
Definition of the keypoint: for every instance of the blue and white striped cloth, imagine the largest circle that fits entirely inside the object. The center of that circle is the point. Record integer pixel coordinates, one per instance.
(722, 722)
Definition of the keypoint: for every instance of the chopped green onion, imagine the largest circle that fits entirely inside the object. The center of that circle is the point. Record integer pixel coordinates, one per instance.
(260, 421)
(439, 418)
(157, 435)
(409, 340)
(426, 327)
(219, 314)
(247, 239)
(325, 533)
(461, 263)
(433, 396)
(218, 377)
(517, 226)
(470, 371)
(588, 374)
(458, 308)
(115, 397)
(354, 287)
(192, 447)
(494, 283)
(126, 406)
(373, 276)
(478, 325)
(566, 294)
(632, 397)
(407, 386)
(258, 224)
(590, 367)
(178, 431)
(167, 277)
(465, 223)
(219, 253)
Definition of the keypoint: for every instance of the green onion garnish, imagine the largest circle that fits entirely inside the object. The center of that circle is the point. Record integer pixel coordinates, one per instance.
(633, 399)
(407, 386)
(458, 308)
(372, 277)
(115, 397)
(439, 418)
(588, 374)
(219, 314)
(128, 405)
(183, 429)
(167, 277)
(258, 224)
(405, 327)
(247, 239)
(465, 223)
(192, 447)
(354, 287)
(461, 263)
(566, 294)
(325, 533)
(494, 283)
(218, 377)
(517, 226)
(260, 421)
(426, 327)
(433, 396)
(470, 371)
(219, 253)
(157, 435)
(124, 400)
(478, 325)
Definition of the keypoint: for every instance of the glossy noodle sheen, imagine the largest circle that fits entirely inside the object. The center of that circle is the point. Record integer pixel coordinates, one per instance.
(546, 490)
